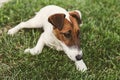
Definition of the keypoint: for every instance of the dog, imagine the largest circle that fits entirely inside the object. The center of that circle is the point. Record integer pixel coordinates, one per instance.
(61, 31)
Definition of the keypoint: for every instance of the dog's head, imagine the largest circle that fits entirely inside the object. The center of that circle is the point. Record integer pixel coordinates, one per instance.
(68, 32)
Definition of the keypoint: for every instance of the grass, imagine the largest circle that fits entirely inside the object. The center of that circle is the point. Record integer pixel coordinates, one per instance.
(100, 37)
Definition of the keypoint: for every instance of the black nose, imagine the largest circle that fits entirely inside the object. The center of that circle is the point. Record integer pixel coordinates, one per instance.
(78, 57)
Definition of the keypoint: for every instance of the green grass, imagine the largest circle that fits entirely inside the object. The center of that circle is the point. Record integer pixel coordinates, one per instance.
(100, 37)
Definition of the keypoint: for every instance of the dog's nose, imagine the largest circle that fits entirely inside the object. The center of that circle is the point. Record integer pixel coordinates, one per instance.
(78, 57)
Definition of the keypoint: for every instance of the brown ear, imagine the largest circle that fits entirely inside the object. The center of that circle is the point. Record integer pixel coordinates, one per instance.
(57, 20)
(77, 15)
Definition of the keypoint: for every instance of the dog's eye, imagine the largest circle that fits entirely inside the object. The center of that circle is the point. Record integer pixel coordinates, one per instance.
(67, 34)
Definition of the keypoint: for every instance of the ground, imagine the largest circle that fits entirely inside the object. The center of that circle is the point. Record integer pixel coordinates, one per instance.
(2, 2)
(100, 42)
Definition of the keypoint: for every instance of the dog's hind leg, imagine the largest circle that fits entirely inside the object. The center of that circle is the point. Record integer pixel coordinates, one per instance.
(35, 22)
(38, 48)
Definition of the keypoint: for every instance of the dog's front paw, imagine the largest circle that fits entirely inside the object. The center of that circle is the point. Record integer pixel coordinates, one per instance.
(33, 51)
(12, 31)
(80, 65)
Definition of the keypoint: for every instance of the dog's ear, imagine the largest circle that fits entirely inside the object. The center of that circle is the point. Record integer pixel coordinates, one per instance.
(57, 20)
(76, 14)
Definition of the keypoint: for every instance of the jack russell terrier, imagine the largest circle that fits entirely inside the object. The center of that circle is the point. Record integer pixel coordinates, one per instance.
(61, 31)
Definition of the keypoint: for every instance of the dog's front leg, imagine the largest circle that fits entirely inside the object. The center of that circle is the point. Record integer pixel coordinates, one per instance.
(80, 65)
(38, 48)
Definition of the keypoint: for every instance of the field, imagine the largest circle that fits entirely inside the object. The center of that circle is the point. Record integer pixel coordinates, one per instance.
(100, 42)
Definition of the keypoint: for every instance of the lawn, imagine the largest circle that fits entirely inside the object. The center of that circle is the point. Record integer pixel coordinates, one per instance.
(100, 41)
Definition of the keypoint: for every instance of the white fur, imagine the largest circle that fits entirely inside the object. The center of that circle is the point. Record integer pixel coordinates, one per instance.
(47, 37)
(80, 65)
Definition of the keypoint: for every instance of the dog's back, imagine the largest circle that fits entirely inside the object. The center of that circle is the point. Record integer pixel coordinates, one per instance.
(50, 10)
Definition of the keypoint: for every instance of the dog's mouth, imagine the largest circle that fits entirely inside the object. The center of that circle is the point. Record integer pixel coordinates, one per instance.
(73, 53)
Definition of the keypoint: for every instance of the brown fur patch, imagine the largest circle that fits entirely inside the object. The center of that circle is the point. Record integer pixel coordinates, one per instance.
(76, 15)
(57, 20)
(69, 33)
